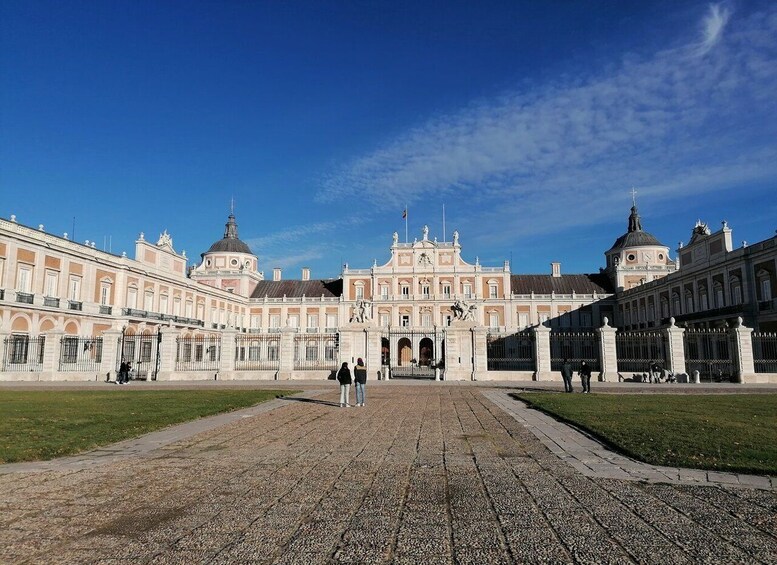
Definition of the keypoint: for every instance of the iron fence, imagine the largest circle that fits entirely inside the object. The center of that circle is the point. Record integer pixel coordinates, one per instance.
(765, 352)
(23, 353)
(316, 352)
(511, 352)
(142, 352)
(80, 354)
(198, 353)
(637, 351)
(257, 352)
(708, 350)
(575, 347)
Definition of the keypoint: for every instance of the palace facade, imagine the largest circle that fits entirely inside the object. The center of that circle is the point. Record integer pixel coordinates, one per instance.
(52, 285)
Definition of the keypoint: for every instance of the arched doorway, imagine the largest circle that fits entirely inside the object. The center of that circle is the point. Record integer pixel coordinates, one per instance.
(425, 352)
(405, 351)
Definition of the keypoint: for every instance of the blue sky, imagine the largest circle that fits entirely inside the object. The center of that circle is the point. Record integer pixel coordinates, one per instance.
(529, 121)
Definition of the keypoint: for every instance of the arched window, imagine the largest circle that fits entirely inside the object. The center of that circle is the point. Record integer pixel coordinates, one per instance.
(736, 290)
(717, 289)
(688, 301)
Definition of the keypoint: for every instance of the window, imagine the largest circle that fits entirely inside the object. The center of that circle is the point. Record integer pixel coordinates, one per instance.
(675, 303)
(148, 301)
(446, 290)
(447, 319)
(405, 320)
(425, 290)
(426, 320)
(359, 292)
(542, 317)
(313, 321)
(75, 288)
(132, 297)
(766, 289)
(201, 311)
(52, 283)
(688, 301)
(405, 290)
(272, 351)
(311, 351)
(24, 279)
(703, 299)
(275, 320)
(523, 320)
(492, 290)
(163, 304)
(69, 349)
(384, 291)
(467, 290)
(177, 306)
(384, 320)
(331, 322)
(585, 319)
(19, 347)
(493, 319)
(189, 308)
(105, 294)
(254, 351)
(293, 321)
(719, 301)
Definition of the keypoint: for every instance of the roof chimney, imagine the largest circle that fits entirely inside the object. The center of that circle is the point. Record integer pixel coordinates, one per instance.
(305, 273)
(555, 269)
(276, 274)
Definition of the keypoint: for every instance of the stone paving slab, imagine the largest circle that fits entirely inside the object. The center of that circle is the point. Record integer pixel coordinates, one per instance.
(592, 459)
(434, 474)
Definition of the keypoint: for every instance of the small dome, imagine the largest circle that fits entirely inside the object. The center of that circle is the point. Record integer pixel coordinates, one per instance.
(230, 243)
(635, 237)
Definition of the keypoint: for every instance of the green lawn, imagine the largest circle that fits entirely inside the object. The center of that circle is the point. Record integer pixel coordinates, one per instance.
(722, 432)
(40, 425)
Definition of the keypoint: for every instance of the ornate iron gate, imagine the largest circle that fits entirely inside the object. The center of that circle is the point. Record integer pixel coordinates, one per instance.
(708, 350)
(638, 350)
(765, 352)
(142, 350)
(413, 353)
(511, 352)
(576, 347)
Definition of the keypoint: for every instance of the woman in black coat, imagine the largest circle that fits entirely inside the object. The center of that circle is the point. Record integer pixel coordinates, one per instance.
(344, 378)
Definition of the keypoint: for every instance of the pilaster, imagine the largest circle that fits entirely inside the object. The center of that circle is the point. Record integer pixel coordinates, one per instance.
(608, 353)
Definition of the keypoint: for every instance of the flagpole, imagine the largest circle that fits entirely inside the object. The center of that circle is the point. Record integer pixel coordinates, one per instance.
(443, 222)
(406, 214)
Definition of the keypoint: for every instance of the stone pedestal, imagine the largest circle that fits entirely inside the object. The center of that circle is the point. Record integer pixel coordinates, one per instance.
(741, 339)
(542, 353)
(227, 358)
(286, 362)
(459, 351)
(480, 354)
(51, 354)
(608, 353)
(111, 354)
(675, 348)
(373, 357)
(168, 352)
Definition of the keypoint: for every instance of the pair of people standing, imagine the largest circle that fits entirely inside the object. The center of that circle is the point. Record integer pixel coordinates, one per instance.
(124, 371)
(584, 373)
(344, 378)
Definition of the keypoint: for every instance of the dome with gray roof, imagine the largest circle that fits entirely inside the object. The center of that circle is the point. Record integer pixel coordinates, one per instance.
(635, 237)
(230, 243)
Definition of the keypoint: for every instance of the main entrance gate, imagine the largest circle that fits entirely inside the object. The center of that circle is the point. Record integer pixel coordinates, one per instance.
(413, 353)
(142, 350)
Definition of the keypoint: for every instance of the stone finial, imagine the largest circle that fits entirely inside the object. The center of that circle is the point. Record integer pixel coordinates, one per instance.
(124, 254)
(672, 321)
(740, 321)
(40, 227)
(13, 218)
(64, 235)
(744, 243)
(142, 236)
(455, 237)
(395, 237)
(605, 322)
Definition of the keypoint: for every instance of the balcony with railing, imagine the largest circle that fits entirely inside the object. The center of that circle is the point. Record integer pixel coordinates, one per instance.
(134, 313)
(75, 305)
(106, 310)
(24, 297)
(51, 302)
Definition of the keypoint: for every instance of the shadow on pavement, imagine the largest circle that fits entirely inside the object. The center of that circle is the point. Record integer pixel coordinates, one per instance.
(313, 400)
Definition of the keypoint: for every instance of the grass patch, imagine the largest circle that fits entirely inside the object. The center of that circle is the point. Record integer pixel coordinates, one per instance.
(721, 432)
(41, 425)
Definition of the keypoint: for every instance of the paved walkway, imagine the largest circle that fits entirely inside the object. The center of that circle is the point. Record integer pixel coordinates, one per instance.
(434, 474)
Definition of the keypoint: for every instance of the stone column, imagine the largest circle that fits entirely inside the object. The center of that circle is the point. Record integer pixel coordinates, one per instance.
(227, 358)
(168, 353)
(675, 354)
(608, 353)
(111, 353)
(51, 354)
(480, 353)
(741, 339)
(286, 367)
(542, 353)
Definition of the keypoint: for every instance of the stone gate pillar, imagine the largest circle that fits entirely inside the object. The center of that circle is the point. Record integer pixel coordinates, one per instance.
(373, 357)
(608, 352)
(742, 353)
(480, 353)
(227, 358)
(459, 351)
(51, 353)
(168, 353)
(675, 348)
(110, 354)
(286, 361)
(542, 353)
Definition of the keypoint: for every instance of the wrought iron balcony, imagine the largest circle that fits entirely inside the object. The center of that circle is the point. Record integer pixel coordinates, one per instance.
(75, 305)
(24, 297)
(51, 302)
(106, 309)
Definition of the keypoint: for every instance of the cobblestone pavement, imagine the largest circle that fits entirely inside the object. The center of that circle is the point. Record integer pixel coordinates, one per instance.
(422, 474)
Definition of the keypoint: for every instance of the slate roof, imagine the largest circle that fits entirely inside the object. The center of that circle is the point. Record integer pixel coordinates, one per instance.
(230, 243)
(295, 289)
(635, 236)
(565, 284)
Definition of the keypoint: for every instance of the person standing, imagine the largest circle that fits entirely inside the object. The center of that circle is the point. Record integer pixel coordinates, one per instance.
(566, 374)
(123, 375)
(344, 378)
(585, 376)
(655, 372)
(360, 376)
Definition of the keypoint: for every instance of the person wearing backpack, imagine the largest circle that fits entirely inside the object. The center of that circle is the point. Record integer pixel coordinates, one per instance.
(360, 376)
(344, 378)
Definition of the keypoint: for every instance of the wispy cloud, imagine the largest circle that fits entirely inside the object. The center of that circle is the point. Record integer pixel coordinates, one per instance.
(668, 123)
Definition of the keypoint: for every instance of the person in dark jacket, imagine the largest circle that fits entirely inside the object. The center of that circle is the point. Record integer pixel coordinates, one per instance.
(360, 376)
(566, 374)
(344, 378)
(585, 376)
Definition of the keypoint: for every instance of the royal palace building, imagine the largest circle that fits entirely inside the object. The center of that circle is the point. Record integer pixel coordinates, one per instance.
(71, 311)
